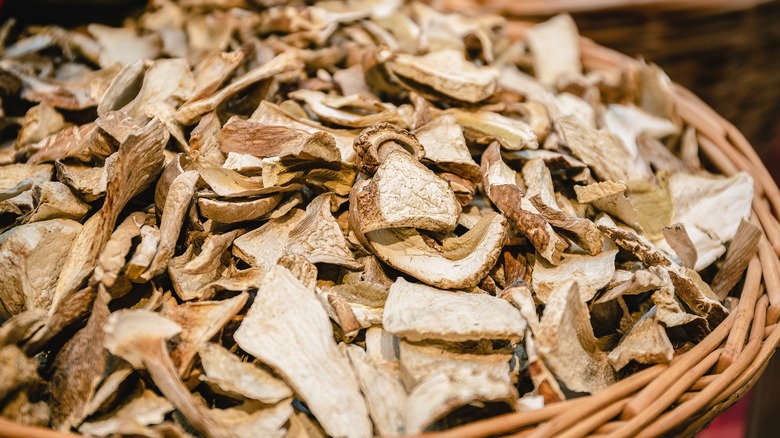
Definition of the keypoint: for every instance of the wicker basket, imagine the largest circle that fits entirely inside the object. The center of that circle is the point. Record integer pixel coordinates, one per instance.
(682, 397)
(725, 51)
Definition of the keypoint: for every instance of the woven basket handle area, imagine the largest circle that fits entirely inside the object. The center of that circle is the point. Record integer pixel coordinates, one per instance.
(531, 8)
(681, 397)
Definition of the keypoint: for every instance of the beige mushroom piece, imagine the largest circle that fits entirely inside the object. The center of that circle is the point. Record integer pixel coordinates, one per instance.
(139, 337)
(287, 329)
(417, 312)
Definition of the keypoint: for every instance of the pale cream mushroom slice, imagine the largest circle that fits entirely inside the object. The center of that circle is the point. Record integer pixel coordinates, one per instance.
(445, 146)
(140, 337)
(374, 143)
(20, 177)
(484, 127)
(90, 183)
(556, 50)
(209, 258)
(31, 259)
(445, 72)
(264, 246)
(124, 45)
(132, 418)
(167, 81)
(603, 151)
(630, 283)
(228, 183)
(404, 194)
(188, 287)
(326, 109)
(111, 261)
(200, 321)
(711, 209)
(610, 197)
(144, 253)
(645, 343)
(567, 345)
(287, 329)
(628, 122)
(318, 237)
(670, 311)
(227, 374)
(417, 312)
(458, 262)
(213, 70)
(382, 388)
(592, 273)
(238, 210)
(39, 122)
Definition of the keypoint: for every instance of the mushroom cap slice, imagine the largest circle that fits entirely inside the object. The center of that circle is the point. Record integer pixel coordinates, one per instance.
(645, 343)
(591, 273)
(460, 263)
(126, 331)
(417, 312)
(556, 48)
(287, 329)
(405, 194)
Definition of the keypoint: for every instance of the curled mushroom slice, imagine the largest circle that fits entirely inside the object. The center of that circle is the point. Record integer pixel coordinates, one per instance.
(629, 122)
(31, 258)
(252, 419)
(145, 410)
(567, 345)
(264, 246)
(485, 127)
(19, 177)
(637, 245)
(590, 272)
(264, 141)
(630, 283)
(318, 237)
(287, 329)
(697, 295)
(237, 210)
(556, 48)
(375, 142)
(460, 262)
(89, 182)
(645, 343)
(321, 105)
(417, 312)
(227, 374)
(442, 378)
(404, 194)
(446, 72)
(669, 310)
(144, 253)
(112, 259)
(139, 337)
(444, 144)
(610, 197)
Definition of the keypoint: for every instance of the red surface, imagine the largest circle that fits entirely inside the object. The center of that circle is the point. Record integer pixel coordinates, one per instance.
(730, 424)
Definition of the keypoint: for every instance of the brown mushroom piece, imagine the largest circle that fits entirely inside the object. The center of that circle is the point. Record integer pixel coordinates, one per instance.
(139, 337)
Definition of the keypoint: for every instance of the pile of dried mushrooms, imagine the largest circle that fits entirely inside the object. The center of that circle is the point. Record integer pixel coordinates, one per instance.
(240, 219)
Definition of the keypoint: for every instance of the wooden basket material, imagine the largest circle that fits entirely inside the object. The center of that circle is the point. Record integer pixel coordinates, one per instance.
(684, 396)
(726, 51)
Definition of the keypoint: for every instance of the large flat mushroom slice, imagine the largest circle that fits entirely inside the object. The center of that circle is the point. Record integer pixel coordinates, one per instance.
(645, 343)
(591, 273)
(484, 127)
(417, 312)
(567, 345)
(460, 262)
(556, 48)
(264, 246)
(31, 257)
(287, 329)
(405, 194)
(444, 144)
(711, 209)
(446, 72)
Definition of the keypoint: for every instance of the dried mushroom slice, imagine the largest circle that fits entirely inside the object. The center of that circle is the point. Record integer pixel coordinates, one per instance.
(697, 295)
(265, 141)
(556, 49)
(404, 194)
(287, 329)
(645, 343)
(250, 420)
(16, 369)
(458, 262)
(710, 208)
(264, 246)
(590, 272)
(131, 419)
(445, 146)
(446, 72)
(318, 237)
(20, 177)
(417, 312)
(484, 127)
(31, 259)
(610, 197)
(226, 373)
(567, 345)
(123, 45)
(543, 380)
(327, 109)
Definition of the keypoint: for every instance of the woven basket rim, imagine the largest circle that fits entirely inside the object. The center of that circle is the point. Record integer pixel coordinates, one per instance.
(746, 339)
(552, 7)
